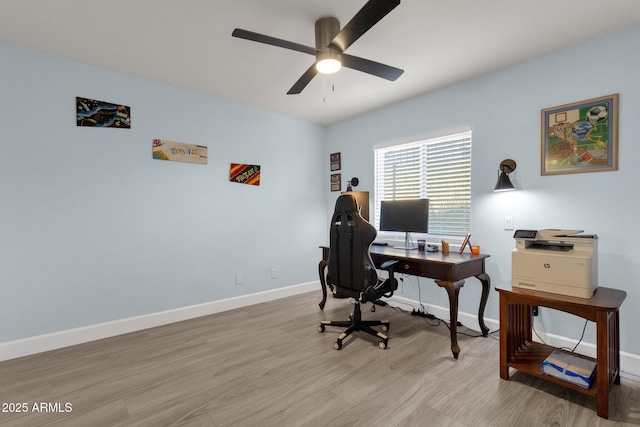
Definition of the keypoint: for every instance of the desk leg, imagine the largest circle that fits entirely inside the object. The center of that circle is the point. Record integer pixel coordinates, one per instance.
(486, 285)
(323, 283)
(453, 289)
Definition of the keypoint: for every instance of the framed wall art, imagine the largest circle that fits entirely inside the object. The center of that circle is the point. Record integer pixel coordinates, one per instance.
(336, 181)
(580, 137)
(335, 162)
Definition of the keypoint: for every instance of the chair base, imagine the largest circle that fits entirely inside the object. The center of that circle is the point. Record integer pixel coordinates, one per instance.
(357, 324)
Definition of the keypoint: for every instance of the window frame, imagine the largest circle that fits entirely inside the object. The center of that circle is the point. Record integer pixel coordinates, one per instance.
(461, 136)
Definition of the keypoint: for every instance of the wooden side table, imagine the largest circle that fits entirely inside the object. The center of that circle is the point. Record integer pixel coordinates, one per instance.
(517, 349)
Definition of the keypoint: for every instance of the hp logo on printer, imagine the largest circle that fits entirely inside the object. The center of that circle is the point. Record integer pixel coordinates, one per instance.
(547, 265)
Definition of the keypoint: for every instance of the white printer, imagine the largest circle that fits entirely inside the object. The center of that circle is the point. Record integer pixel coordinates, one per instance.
(557, 261)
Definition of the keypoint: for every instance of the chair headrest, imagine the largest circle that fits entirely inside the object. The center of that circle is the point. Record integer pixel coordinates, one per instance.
(346, 203)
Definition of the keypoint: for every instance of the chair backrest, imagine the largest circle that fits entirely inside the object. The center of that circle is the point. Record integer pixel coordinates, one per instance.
(350, 269)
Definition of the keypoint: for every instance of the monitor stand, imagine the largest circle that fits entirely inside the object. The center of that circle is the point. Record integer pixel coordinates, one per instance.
(407, 243)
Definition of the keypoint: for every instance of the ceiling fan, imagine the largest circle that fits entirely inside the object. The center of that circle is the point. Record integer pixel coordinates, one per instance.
(331, 42)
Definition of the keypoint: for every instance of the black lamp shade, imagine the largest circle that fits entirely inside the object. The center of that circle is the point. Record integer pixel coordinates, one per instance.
(504, 183)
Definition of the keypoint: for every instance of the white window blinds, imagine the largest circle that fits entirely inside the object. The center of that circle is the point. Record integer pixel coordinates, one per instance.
(438, 169)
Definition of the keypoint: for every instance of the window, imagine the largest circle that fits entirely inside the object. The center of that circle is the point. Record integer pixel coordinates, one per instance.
(438, 169)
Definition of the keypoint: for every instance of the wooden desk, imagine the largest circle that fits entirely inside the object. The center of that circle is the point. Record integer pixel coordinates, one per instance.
(517, 350)
(449, 272)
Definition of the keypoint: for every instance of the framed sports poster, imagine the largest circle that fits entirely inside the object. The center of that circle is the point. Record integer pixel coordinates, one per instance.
(580, 137)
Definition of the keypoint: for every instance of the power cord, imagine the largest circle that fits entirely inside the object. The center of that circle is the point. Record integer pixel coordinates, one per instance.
(584, 328)
(423, 312)
(572, 350)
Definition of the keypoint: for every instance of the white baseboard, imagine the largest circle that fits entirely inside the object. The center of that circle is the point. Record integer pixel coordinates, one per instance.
(629, 362)
(56, 340)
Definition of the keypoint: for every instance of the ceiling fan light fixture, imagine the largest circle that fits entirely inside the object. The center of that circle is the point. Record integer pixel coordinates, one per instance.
(331, 42)
(328, 62)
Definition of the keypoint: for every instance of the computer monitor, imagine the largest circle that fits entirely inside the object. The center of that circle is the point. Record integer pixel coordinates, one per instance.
(405, 216)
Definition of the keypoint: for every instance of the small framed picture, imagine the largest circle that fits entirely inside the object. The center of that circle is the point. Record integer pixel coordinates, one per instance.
(465, 243)
(335, 162)
(336, 181)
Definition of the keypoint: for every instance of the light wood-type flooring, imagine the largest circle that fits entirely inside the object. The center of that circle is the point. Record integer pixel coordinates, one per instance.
(266, 365)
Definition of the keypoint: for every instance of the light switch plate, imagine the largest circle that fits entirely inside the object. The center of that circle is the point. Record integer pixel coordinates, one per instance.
(508, 223)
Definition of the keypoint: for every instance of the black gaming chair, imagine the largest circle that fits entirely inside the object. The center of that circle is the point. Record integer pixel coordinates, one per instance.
(351, 272)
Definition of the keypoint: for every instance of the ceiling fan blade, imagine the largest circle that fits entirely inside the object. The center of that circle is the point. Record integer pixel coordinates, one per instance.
(372, 12)
(273, 41)
(371, 67)
(303, 81)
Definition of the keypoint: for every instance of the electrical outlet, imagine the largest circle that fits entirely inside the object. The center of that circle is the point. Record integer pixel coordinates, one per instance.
(274, 273)
(508, 223)
(239, 279)
(534, 310)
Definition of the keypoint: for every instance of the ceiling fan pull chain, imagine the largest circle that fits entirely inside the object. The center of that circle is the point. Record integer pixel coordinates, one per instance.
(324, 88)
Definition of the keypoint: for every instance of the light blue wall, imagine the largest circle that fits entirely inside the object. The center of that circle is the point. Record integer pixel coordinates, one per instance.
(92, 229)
(503, 108)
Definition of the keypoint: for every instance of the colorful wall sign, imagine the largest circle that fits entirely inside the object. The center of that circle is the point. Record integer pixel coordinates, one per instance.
(244, 174)
(179, 152)
(90, 112)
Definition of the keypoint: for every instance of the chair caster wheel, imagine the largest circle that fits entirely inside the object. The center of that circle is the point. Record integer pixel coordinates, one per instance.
(382, 345)
(321, 328)
(337, 345)
(385, 328)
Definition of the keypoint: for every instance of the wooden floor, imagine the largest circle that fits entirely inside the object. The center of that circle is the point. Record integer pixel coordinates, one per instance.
(267, 365)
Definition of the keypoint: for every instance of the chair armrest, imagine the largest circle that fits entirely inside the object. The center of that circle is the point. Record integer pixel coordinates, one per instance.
(387, 265)
(390, 265)
(384, 288)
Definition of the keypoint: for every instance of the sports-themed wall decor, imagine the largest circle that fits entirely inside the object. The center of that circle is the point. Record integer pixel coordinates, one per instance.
(244, 174)
(580, 137)
(179, 152)
(90, 112)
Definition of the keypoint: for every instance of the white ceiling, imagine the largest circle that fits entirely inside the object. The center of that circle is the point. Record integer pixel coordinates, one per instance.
(188, 43)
